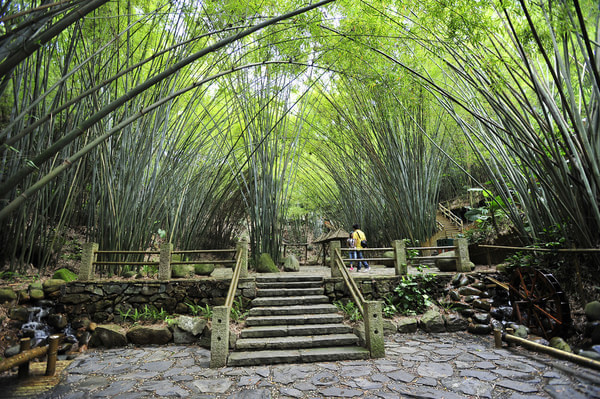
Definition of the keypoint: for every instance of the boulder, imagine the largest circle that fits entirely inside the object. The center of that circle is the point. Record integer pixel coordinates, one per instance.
(481, 318)
(108, 336)
(389, 327)
(12, 351)
(183, 337)
(454, 322)
(445, 264)
(150, 335)
(479, 328)
(182, 271)
(36, 291)
(65, 275)
(469, 290)
(192, 325)
(53, 285)
(266, 264)
(432, 321)
(291, 264)
(58, 321)
(390, 261)
(204, 269)
(590, 354)
(592, 310)
(7, 295)
(407, 325)
(19, 313)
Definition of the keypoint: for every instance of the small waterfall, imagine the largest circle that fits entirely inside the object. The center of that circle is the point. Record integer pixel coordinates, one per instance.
(36, 327)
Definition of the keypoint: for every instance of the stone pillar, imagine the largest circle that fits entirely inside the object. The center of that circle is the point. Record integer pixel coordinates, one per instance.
(334, 250)
(463, 264)
(219, 339)
(374, 328)
(400, 264)
(243, 245)
(88, 257)
(164, 263)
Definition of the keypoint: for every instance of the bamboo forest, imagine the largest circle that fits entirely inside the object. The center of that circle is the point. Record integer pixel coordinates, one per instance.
(133, 124)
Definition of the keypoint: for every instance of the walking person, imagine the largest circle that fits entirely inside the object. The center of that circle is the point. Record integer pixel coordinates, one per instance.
(352, 253)
(361, 242)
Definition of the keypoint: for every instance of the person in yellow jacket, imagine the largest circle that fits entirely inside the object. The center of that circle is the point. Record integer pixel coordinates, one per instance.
(361, 239)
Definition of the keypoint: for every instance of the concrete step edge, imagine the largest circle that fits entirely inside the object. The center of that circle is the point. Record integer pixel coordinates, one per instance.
(337, 353)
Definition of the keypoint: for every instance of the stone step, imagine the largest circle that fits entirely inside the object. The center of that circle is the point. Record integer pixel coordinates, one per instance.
(289, 291)
(291, 310)
(329, 354)
(294, 319)
(289, 301)
(287, 277)
(285, 331)
(296, 342)
(289, 284)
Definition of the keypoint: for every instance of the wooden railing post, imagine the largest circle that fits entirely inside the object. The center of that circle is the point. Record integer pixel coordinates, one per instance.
(164, 263)
(400, 264)
(25, 344)
(335, 247)
(88, 257)
(243, 246)
(52, 355)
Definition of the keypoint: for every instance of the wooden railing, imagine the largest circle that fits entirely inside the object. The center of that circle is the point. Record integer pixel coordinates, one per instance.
(453, 218)
(27, 354)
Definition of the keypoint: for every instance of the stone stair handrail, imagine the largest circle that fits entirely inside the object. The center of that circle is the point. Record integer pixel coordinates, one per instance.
(453, 218)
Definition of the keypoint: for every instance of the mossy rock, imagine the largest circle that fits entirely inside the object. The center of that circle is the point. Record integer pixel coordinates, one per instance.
(204, 269)
(266, 264)
(129, 274)
(182, 271)
(7, 295)
(53, 285)
(592, 310)
(65, 275)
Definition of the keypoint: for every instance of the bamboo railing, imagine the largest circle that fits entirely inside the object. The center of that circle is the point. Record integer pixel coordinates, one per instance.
(27, 354)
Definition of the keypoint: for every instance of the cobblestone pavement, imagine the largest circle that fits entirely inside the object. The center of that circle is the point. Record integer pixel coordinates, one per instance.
(420, 365)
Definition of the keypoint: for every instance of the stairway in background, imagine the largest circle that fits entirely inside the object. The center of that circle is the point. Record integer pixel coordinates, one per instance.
(292, 321)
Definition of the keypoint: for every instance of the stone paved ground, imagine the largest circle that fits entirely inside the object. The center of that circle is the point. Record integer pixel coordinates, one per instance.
(452, 365)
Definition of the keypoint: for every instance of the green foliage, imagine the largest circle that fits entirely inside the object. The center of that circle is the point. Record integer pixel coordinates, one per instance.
(350, 310)
(198, 310)
(149, 313)
(412, 295)
(238, 310)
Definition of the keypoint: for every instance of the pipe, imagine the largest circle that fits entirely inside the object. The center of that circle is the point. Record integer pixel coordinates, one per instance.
(582, 360)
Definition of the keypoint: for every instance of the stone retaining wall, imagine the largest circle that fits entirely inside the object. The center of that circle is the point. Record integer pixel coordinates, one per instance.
(105, 301)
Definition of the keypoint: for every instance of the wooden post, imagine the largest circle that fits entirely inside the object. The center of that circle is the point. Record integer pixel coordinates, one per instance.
(400, 264)
(25, 344)
(88, 257)
(52, 355)
(498, 338)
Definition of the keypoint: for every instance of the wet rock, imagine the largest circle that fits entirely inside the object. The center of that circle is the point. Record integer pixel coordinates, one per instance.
(81, 323)
(589, 354)
(12, 351)
(479, 285)
(454, 295)
(463, 281)
(592, 331)
(109, 336)
(496, 324)
(455, 322)
(19, 313)
(291, 264)
(592, 310)
(456, 279)
(483, 304)
(58, 321)
(149, 335)
(479, 328)
(481, 318)
(469, 290)
(470, 298)
(467, 312)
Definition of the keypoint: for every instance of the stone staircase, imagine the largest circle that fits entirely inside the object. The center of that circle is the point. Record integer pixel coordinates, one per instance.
(292, 321)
